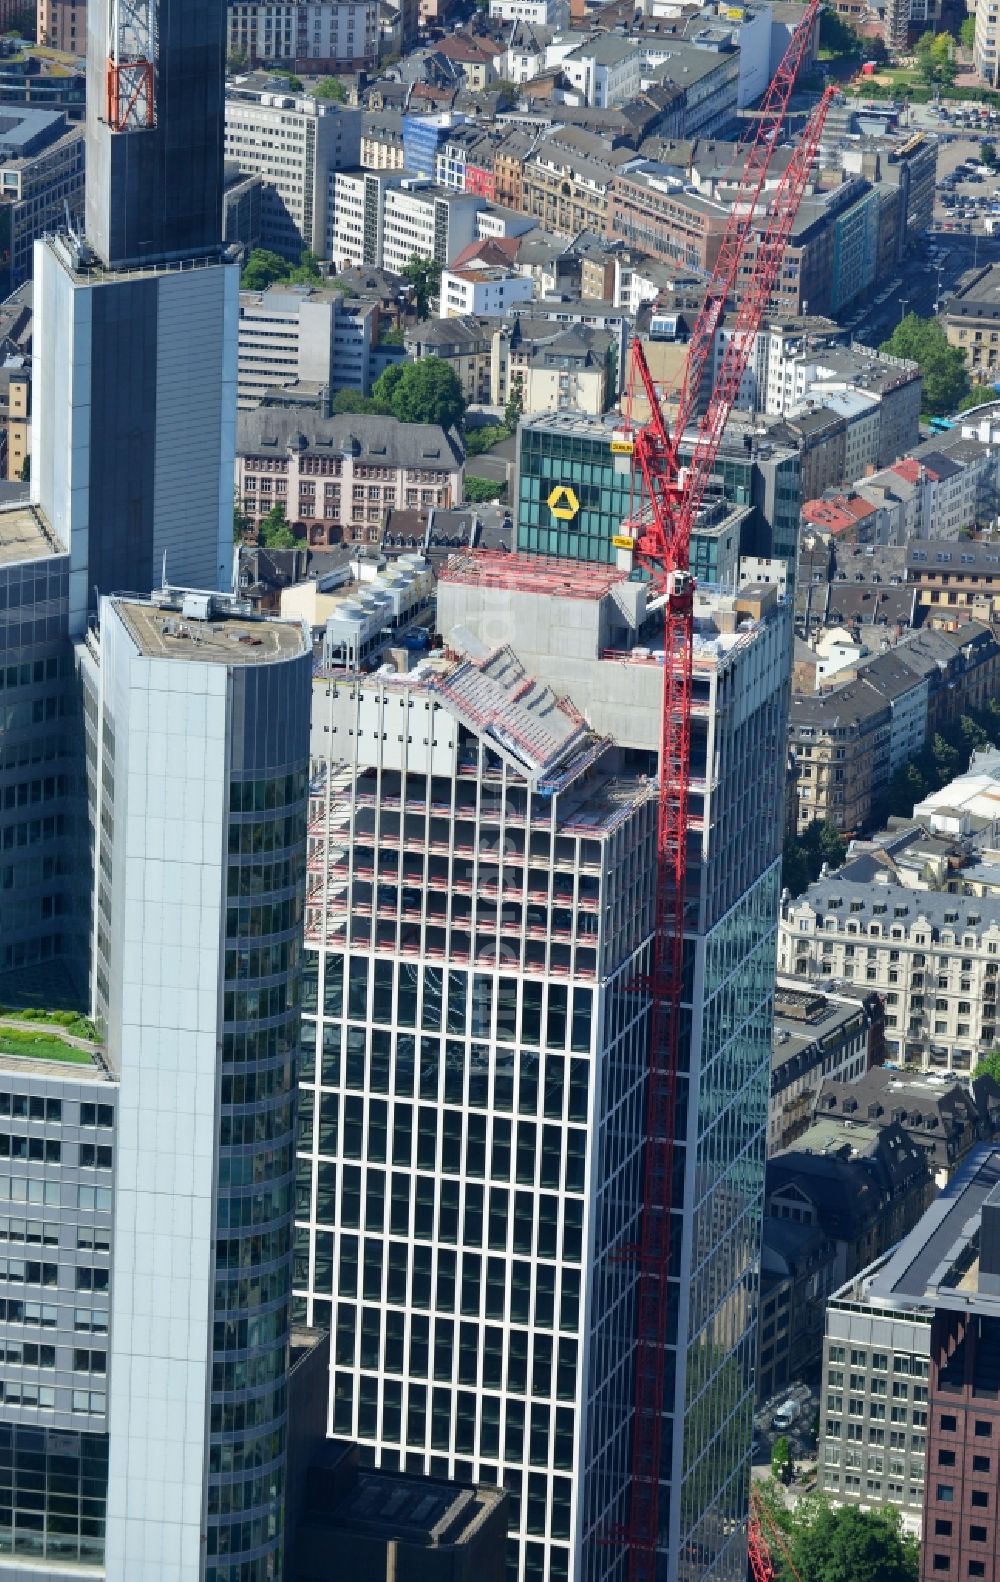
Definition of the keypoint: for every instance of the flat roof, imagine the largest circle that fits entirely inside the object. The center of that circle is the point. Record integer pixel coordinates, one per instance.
(162, 633)
(937, 1264)
(25, 535)
(560, 578)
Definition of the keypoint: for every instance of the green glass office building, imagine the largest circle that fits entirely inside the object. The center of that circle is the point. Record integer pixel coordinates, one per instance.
(574, 491)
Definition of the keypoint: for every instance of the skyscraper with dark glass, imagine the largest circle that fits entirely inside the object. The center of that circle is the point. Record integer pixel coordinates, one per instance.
(478, 921)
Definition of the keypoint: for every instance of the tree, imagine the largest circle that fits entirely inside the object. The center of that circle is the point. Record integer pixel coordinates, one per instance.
(976, 397)
(262, 269)
(330, 88)
(294, 83)
(480, 490)
(803, 857)
(943, 54)
(508, 93)
(849, 1545)
(942, 366)
(515, 405)
(925, 57)
(988, 1066)
(835, 36)
(274, 532)
(967, 32)
(241, 522)
(781, 1457)
(393, 335)
(308, 270)
(237, 60)
(425, 392)
(846, 1545)
(26, 470)
(479, 440)
(354, 401)
(424, 274)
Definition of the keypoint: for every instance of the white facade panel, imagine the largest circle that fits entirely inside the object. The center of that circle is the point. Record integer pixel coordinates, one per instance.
(168, 861)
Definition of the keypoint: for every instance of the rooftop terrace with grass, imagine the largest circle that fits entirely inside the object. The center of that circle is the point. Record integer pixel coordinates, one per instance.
(42, 1040)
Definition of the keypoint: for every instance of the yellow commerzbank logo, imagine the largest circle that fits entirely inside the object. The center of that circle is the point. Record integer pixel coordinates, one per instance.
(563, 503)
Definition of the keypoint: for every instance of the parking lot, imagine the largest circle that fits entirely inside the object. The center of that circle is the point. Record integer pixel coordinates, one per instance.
(967, 197)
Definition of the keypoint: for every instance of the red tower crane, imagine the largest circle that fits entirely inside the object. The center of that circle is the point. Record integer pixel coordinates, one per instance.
(662, 536)
(758, 1549)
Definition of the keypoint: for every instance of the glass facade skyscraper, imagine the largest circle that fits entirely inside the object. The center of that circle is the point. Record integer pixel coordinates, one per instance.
(198, 762)
(469, 1160)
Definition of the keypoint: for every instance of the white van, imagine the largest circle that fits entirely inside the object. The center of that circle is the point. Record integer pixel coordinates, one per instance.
(787, 1414)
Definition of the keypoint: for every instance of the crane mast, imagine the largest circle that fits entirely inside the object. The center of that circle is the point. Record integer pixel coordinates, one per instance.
(662, 535)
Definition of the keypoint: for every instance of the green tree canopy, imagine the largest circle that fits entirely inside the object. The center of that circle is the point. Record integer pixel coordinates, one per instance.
(263, 269)
(515, 405)
(274, 532)
(967, 32)
(354, 401)
(988, 153)
(781, 1456)
(803, 857)
(849, 1545)
(977, 396)
(480, 490)
(835, 36)
(330, 88)
(989, 1065)
(425, 392)
(943, 367)
(424, 274)
(478, 440)
(845, 1545)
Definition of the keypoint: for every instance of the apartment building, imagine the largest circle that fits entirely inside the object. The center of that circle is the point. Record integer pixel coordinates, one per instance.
(305, 35)
(945, 1119)
(841, 745)
(955, 582)
(386, 218)
(649, 211)
(491, 1213)
(338, 476)
(606, 69)
(293, 143)
(41, 175)
(931, 955)
(874, 1401)
(565, 183)
(986, 48)
(948, 1267)
(537, 13)
(382, 140)
(972, 319)
(426, 221)
(708, 80)
(299, 335)
(62, 25)
(18, 421)
(801, 375)
(482, 288)
(818, 1037)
